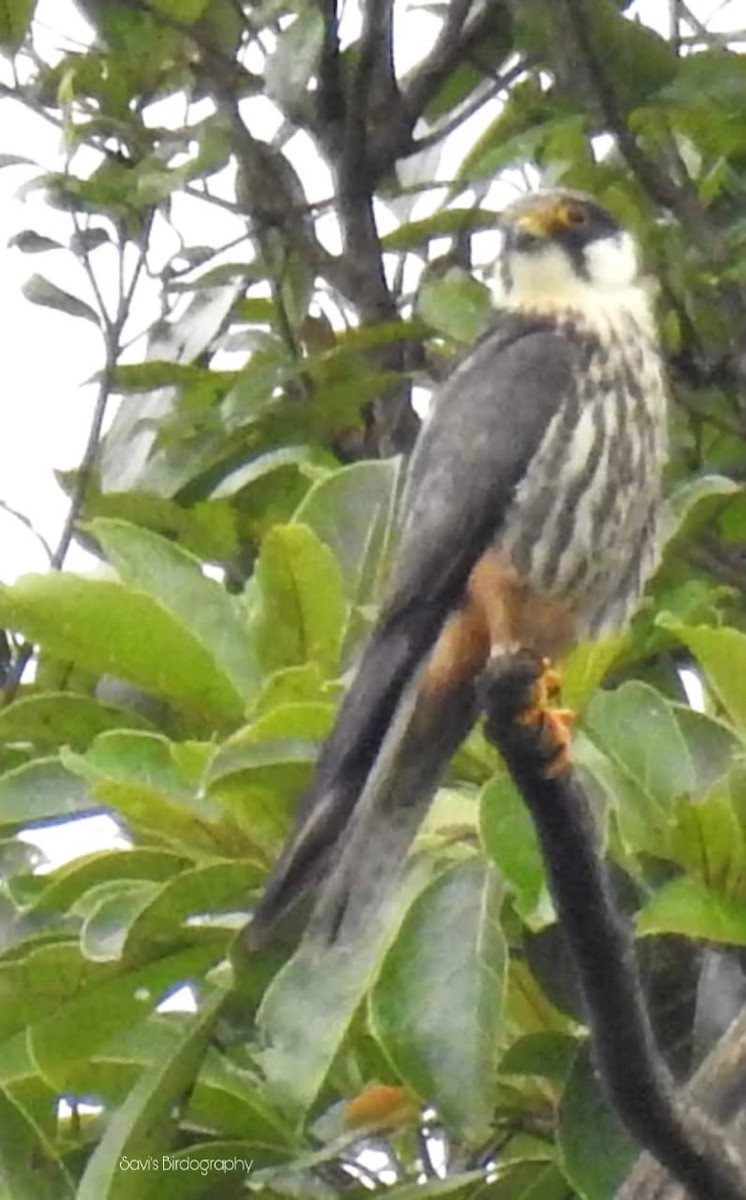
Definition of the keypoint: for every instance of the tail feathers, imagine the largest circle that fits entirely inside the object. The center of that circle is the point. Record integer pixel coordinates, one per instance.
(427, 730)
(389, 663)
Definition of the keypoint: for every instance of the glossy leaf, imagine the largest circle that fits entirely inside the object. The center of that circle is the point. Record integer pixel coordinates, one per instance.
(115, 630)
(68, 882)
(596, 1152)
(436, 1006)
(509, 839)
(688, 907)
(353, 513)
(63, 718)
(139, 776)
(456, 305)
(706, 838)
(39, 790)
(722, 656)
(174, 577)
(30, 1167)
(644, 763)
(146, 1123)
(302, 613)
(308, 1010)
(111, 1002)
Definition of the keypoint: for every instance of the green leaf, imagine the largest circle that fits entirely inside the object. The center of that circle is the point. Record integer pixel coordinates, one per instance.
(222, 1165)
(174, 577)
(37, 978)
(108, 1004)
(141, 776)
(289, 733)
(416, 235)
(39, 790)
(147, 1123)
(693, 503)
(289, 68)
(109, 910)
(69, 882)
(200, 893)
(585, 668)
(15, 19)
(308, 1009)
(114, 630)
(436, 1006)
(291, 685)
(707, 839)
(455, 304)
(186, 11)
(597, 1153)
(302, 612)
(263, 465)
(63, 718)
(722, 655)
(30, 1168)
(712, 746)
(645, 764)
(509, 838)
(41, 291)
(549, 1055)
(353, 513)
(688, 907)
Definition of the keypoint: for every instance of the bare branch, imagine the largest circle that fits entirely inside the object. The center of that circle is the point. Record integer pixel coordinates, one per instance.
(467, 110)
(459, 40)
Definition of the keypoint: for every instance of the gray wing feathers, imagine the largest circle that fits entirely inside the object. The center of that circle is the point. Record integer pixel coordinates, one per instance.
(487, 424)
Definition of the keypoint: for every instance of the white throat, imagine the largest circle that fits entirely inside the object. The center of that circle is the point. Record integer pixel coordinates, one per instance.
(546, 280)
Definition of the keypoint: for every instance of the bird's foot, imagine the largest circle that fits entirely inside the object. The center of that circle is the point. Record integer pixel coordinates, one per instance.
(554, 725)
(519, 691)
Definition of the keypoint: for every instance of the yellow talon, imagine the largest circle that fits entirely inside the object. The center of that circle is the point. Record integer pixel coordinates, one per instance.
(555, 723)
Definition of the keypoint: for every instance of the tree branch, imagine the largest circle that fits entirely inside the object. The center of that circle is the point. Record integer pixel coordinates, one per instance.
(691, 1147)
(680, 199)
(719, 1087)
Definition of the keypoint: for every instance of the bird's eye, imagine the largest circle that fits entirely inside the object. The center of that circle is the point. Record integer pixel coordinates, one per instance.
(575, 216)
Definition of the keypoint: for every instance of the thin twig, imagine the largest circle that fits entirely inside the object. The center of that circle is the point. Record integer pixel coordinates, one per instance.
(680, 199)
(19, 516)
(111, 331)
(468, 110)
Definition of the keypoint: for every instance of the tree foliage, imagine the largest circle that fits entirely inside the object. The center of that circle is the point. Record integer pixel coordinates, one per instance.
(346, 186)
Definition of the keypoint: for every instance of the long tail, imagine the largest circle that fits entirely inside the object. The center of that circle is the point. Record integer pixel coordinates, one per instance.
(389, 665)
(425, 733)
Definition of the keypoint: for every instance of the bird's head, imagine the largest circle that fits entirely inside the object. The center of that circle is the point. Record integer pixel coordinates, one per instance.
(562, 249)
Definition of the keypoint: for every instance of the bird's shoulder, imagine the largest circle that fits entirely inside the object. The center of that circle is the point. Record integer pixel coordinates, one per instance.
(486, 423)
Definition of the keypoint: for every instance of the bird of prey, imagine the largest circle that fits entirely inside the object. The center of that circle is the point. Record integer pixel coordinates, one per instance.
(530, 519)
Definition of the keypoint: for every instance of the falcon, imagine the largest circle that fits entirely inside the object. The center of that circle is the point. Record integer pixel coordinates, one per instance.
(530, 520)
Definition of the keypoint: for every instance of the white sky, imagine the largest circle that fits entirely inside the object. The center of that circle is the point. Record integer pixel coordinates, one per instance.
(44, 412)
